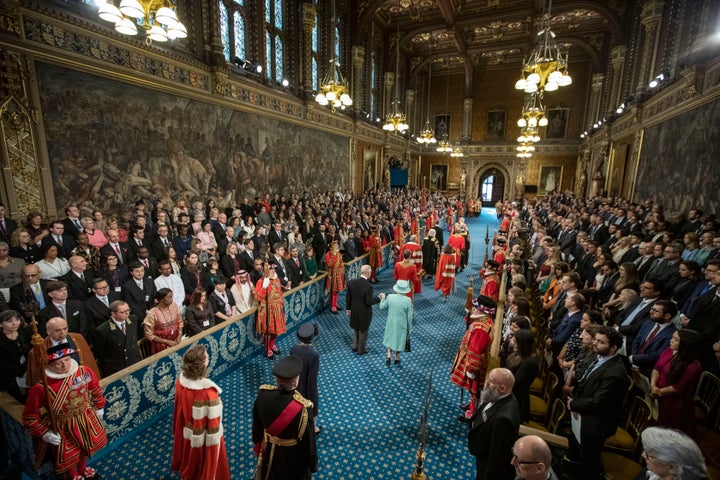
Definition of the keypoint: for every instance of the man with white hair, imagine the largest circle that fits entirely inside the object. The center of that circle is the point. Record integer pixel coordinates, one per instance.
(532, 459)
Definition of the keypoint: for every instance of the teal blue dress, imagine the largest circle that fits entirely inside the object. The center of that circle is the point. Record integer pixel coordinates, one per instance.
(399, 321)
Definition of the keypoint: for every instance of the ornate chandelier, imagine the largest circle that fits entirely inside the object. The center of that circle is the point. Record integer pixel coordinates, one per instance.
(525, 150)
(528, 135)
(444, 145)
(158, 19)
(457, 151)
(333, 87)
(427, 136)
(395, 121)
(546, 68)
(533, 112)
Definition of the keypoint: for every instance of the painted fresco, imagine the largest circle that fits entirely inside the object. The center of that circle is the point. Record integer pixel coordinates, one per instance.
(110, 143)
(679, 161)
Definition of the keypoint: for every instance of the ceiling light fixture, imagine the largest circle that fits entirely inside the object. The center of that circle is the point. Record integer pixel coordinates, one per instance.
(427, 136)
(333, 87)
(156, 17)
(546, 68)
(395, 121)
(444, 144)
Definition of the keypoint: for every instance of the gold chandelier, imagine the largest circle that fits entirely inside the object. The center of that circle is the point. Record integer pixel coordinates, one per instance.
(525, 150)
(546, 68)
(457, 151)
(427, 136)
(444, 145)
(159, 19)
(333, 87)
(533, 112)
(395, 121)
(528, 135)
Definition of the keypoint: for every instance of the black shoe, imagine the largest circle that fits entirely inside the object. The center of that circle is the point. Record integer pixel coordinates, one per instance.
(277, 352)
(363, 352)
(387, 361)
(464, 407)
(463, 418)
(397, 361)
(354, 349)
(334, 311)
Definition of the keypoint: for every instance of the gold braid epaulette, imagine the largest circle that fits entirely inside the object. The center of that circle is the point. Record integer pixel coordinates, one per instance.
(268, 387)
(298, 397)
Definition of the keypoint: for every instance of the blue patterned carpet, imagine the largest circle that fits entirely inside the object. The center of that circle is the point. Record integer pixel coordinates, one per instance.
(369, 411)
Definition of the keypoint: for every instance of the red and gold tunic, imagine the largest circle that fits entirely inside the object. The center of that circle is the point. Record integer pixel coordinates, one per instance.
(336, 272)
(445, 277)
(166, 323)
(491, 287)
(472, 355)
(375, 259)
(198, 442)
(270, 313)
(66, 404)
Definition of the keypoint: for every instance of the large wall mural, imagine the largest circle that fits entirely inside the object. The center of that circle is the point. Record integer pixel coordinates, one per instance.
(678, 161)
(110, 143)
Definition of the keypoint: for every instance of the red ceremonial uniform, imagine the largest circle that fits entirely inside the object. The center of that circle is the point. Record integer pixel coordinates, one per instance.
(375, 258)
(472, 357)
(499, 257)
(403, 271)
(457, 241)
(491, 287)
(445, 277)
(270, 313)
(198, 442)
(66, 404)
(336, 272)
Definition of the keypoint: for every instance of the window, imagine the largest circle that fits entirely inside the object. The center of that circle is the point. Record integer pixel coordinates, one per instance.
(314, 54)
(273, 38)
(487, 189)
(232, 28)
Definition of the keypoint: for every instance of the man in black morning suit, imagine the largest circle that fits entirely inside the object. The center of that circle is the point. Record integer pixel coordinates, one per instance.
(139, 291)
(57, 236)
(359, 301)
(97, 307)
(61, 306)
(594, 402)
(79, 279)
(115, 340)
(704, 316)
(494, 427)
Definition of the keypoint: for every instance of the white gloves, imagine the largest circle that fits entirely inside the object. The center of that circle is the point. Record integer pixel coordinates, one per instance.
(266, 282)
(21, 382)
(100, 412)
(470, 375)
(52, 438)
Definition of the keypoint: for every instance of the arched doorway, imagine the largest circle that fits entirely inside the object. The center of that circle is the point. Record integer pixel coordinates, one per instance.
(491, 187)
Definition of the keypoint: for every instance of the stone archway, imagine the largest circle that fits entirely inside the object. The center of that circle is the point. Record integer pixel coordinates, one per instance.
(501, 187)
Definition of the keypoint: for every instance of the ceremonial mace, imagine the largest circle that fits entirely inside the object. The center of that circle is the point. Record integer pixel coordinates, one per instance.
(418, 474)
(487, 241)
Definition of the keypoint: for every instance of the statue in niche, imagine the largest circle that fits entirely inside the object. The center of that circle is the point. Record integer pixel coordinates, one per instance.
(520, 185)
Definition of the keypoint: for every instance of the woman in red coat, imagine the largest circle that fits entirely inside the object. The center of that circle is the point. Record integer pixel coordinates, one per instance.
(336, 274)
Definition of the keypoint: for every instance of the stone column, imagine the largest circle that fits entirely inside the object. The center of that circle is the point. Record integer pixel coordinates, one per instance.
(651, 17)
(467, 120)
(308, 25)
(617, 65)
(596, 85)
(358, 60)
(409, 105)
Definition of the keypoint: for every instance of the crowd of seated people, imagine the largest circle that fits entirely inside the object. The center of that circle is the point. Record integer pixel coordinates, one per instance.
(178, 270)
(610, 278)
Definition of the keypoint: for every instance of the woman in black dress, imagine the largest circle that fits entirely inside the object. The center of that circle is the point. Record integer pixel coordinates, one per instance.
(15, 345)
(524, 365)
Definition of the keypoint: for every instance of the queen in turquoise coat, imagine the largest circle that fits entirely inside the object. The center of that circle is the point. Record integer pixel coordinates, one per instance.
(399, 319)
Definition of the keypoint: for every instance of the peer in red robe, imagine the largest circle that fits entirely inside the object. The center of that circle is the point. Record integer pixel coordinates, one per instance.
(445, 277)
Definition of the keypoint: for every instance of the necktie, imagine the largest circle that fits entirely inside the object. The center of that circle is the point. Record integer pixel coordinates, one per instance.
(117, 250)
(589, 370)
(61, 309)
(105, 301)
(2, 227)
(59, 240)
(82, 277)
(145, 262)
(649, 339)
(628, 320)
(297, 262)
(122, 327)
(38, 295)
(165, 242)
(77, 225)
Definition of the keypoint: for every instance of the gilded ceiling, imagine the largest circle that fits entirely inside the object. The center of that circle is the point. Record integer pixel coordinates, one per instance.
(482, 33)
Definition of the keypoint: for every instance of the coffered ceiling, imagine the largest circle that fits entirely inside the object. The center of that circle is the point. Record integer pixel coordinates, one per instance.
(474, 34)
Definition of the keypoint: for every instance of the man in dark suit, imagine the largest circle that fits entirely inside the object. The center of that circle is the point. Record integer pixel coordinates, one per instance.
(137, 241)
(31, 290)
(569, 284)
(247, 256)
(667, 268)
(115, 247)
(7, 225)
(575, 304)
(72, 221)
(139, 291)
(149, 263)
(359, 301)
(594, 402)
(307, 384)
(296, 269)
(634, 251)
(632, 318)
(653, 337)
(219, 227)
(645, 261)
(97, 307)
(115, 340)
(494, 427)
(704, 317)
(225, 241)
(64, 243)
(278, 259)
(61, 306)
(276, 235)
(320, 244)
(79, 279)
(160, 243)
(349, 247)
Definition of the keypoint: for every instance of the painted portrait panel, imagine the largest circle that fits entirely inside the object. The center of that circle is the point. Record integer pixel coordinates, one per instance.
(438, 177)
(111, 143)
(369, 164)
(550, 179)
(442, 126)
(495, 125)
(557, 123)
